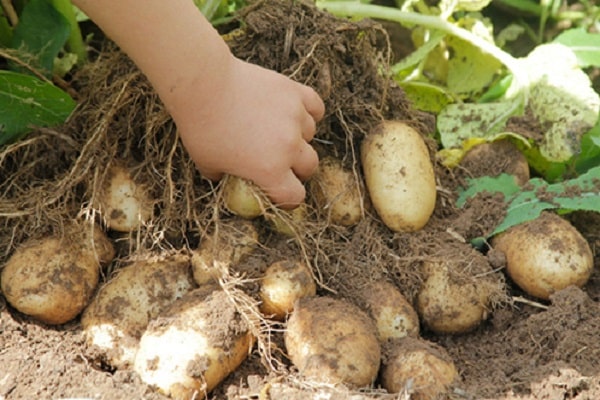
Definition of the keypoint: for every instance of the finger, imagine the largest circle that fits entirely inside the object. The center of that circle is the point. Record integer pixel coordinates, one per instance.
(210, 175)
(309, 128)
(287, 193)
(313, 103)
(307, 162)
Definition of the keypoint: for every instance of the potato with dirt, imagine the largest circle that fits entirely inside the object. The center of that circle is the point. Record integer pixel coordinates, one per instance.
(333, 341)
(194, 344)
(417, 367)
(124, 203)
(242, 197)
(284, 283)
(457, 294)
(119, 313)
(394, 316)
(230, 243)
(399, 176)
(53, 278)
(545, 255)
(337, 193)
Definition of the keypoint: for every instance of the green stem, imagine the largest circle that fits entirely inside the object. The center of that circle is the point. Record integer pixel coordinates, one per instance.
(361, 10)
(75, 42)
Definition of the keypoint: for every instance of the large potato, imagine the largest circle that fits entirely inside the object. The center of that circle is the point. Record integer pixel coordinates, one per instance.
(394, 316)
(283, 283)
(399, 176)
(451, 301)
(332, 341)
(124, 203)
(194, 344)
(337, 193)
(52, 279)
(118, 315)
(422, 369)
(229, 244)
(545, 255)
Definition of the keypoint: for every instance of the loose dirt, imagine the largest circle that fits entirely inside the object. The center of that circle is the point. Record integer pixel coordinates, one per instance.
(526, 349)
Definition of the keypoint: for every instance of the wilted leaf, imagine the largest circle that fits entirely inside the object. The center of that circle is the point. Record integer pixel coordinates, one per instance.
(426, 97)
(26, 102)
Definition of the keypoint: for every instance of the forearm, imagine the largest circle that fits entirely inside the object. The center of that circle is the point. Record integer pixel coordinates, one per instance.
(170, 41)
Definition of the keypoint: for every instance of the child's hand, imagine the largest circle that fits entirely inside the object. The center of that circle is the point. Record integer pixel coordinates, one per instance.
(257, 124)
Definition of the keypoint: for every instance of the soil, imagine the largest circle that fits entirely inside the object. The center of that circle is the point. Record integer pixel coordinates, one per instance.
(525, 349)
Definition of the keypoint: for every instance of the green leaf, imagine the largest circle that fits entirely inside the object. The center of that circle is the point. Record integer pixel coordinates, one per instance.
(578, 194)
(585, 45)
(561, 98)
(28, 102)
(419, 54)
(459, 122)
(42, 32)
(426, 96)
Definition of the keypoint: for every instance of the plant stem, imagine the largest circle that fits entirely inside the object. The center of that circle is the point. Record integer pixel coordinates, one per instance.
(10, 12)
(75, 42)
(361, 10)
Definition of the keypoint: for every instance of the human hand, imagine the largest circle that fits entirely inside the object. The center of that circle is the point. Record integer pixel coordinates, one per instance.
(256, 124)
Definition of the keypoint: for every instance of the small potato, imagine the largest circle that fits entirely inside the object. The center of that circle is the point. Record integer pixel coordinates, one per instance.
(52, 279)
(194, 344)
(242, 197)
(545, 255)
(227, 246)
(333, 341)
(282, 285)
(422, 369)
(399, 176)
(451, 302)
(124, 204)
(394, 316)
(337, 193)
(288, 222)
(118, 315)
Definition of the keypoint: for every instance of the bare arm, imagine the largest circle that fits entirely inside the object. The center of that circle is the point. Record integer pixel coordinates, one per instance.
(233, 117)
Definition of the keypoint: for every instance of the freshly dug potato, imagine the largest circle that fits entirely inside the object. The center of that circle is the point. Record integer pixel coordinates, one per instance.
(194, 344)
(288, 222)
(399, 176)
(337, 193)
(118, 315)
(495, 158)
(333, 341)
(53, 279)
(242, 197)
(394, 316)
(124, 203)
(545, 255)
(282, 285)
(228, 245)
(450, 301)
(421, 368)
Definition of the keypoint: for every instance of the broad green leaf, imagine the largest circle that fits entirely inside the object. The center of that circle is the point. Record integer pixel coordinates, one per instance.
(419, 54)
(5, 32)
(503, 183)
(28, 102)
(561, 98)
(426, 96)
(459, 122)
(42, 32)
(585, 45)
(472, 5)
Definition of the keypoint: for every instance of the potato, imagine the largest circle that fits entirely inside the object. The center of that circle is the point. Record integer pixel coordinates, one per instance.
(124, 204)
(227, 246)
(337, 193)
(545, 255)
(451, 302)
(399, 176)
(282, 285)
(52, 279)
(194, 344)
(332, 341)
(288, 222)
(421, 369)
(242, 197)
(394, 316)
(118, 315)
(495, 158)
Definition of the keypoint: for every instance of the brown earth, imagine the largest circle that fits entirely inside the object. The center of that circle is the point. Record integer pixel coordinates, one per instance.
(526, 349)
